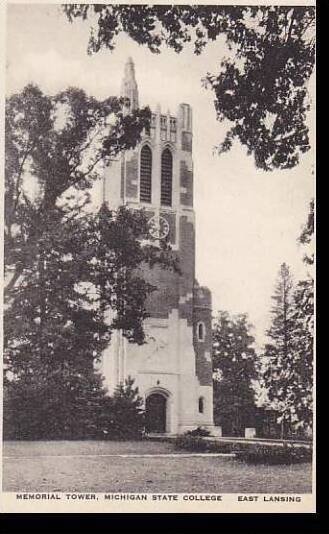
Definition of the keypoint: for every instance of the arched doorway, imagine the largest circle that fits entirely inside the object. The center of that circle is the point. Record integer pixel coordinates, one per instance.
(155, 413)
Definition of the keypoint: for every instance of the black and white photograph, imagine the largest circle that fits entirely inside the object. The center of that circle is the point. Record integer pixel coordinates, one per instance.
(159, 257)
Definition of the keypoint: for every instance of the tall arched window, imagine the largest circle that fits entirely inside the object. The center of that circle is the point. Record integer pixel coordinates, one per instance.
(201, 404)
(166, 178)
(145, 188)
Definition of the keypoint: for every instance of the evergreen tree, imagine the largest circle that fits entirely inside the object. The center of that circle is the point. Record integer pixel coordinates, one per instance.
(235, 369)
(280, 355)
(67, 267)
(304, 336)
(123, 416)
(302, 383)
(260, 86)
(289, 369)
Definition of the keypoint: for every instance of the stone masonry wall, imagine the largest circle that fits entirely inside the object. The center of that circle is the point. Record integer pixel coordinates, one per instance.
(203, 349)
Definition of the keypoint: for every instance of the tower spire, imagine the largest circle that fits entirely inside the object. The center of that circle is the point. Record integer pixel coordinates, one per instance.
(129, 87)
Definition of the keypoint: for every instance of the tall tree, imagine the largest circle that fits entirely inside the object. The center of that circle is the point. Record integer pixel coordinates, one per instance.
(261, 85)
(289, 369)
(304, 324)
(301, 386)
(68, 268)
(235, 369)
(55, 147)
(280, 373)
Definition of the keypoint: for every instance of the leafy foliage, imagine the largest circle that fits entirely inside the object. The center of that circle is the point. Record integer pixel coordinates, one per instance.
(80, 411)
(72, 273)
(235, 368)
(307, 235)
(64, 405)
(261, 85)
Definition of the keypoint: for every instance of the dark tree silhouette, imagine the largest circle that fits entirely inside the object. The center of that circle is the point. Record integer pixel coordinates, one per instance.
(260, 87)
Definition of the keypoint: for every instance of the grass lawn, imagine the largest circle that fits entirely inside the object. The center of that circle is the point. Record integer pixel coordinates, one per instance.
(82, 466)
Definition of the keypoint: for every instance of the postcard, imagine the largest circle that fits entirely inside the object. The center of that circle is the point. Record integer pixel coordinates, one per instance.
(159, 189)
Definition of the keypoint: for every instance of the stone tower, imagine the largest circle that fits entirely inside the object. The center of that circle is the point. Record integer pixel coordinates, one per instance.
(173, 370)
(129, 87)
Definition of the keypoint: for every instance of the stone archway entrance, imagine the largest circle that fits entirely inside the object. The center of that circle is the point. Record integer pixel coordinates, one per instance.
(156, 413)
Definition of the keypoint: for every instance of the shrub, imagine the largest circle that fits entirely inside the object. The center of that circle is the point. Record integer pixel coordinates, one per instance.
(248, 452)
(57, 410)
(191, 443)
(265, 454)
(199, 431)
(197, 443)
(32, 413)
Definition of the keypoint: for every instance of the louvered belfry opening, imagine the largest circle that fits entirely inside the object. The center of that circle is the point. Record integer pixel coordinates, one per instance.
(145, 194)
(166, 178)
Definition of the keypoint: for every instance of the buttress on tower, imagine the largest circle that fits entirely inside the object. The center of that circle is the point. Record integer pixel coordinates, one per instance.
(173, 369)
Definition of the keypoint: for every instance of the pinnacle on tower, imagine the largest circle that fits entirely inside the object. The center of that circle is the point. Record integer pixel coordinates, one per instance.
(129, 87)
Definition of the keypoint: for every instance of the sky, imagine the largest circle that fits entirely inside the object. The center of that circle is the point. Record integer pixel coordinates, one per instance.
(247, 220)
